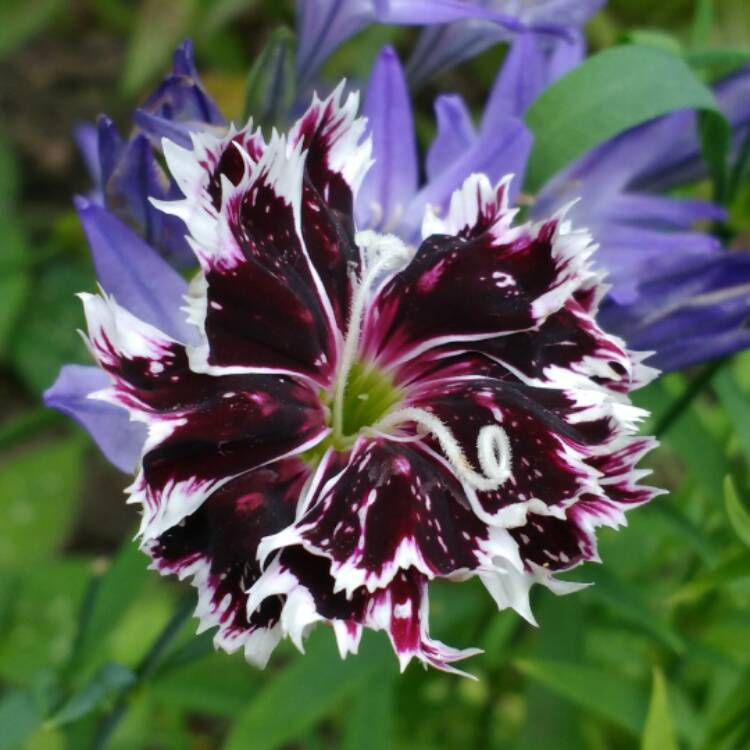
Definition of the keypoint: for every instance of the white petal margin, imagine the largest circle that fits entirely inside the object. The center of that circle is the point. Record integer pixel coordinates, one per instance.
(114, 334)
(479, 205)
(386, 613)
(194, 168)
(349, 152)
(281, 167)
(298, 614)
(475, 201)
(382, 612)
(258, 644)
(509, 583)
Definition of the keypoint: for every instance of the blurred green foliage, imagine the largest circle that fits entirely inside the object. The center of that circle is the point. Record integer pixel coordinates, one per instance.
(655, 655)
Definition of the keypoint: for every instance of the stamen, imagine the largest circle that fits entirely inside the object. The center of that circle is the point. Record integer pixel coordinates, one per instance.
(493, 447)
(383, 252)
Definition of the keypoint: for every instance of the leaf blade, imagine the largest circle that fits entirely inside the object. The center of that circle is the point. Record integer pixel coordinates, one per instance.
(658, 733)
(591, 688)
(738, 514)
(611, 92)
(303, 693)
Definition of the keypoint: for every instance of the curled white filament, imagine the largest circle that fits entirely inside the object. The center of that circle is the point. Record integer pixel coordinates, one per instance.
(493, 448)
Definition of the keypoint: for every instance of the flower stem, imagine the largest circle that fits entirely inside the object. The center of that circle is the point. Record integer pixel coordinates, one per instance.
(143, 671)
(690, 394)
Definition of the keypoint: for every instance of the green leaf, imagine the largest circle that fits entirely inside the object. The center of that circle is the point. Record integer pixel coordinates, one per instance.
(737, 406)
(271, 86)
(44, 337)
(14, 288)
(196, 648)
(592, 688)
(703, 21)
(112, 595)
(27, 424)
(667, 511)
(609, 93)
(497, 636)
(220, 12)
(160, 25)
(658, 734)
(549, 723)
(8, 174)
(307, 690)
(107, 681)
(218, 684)
(701, 453)
(22, 20)
(734, 568)
(41, 619)
(657, 39)
(15, 281)
(718, 63)
(21, 714)
(38, 492)
(630, 606)
(715, 136)
(369, 723)
(733, 712)
(738, 514)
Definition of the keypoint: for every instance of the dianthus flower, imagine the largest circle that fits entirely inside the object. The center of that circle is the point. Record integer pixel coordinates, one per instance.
(348, 417)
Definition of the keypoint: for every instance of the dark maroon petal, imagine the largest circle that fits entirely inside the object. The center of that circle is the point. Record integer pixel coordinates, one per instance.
(620, 479)
(246, 422)
(445, 363)
(329, 237)
(149, 369)
(560, 543)
(336, 160)
(401, 608)
(567, 343)
(264, 305)
(483, 279)
(217, 546)
(199, 172)
(203, 429)
(393, 507)
(568, 340)
(227, 161)
(548, 447)
(554, 543)
(304, 583)
(262, 320)
(313, 572)
(621, 461)
(590, 293)
(260, 304)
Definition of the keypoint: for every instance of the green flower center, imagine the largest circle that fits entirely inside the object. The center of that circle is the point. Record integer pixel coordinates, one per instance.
(361, 395)
(369, 395)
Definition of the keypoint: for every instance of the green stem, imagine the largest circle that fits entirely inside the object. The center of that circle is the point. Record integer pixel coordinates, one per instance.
(674, 412)
(84, 619)
(143, 671)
